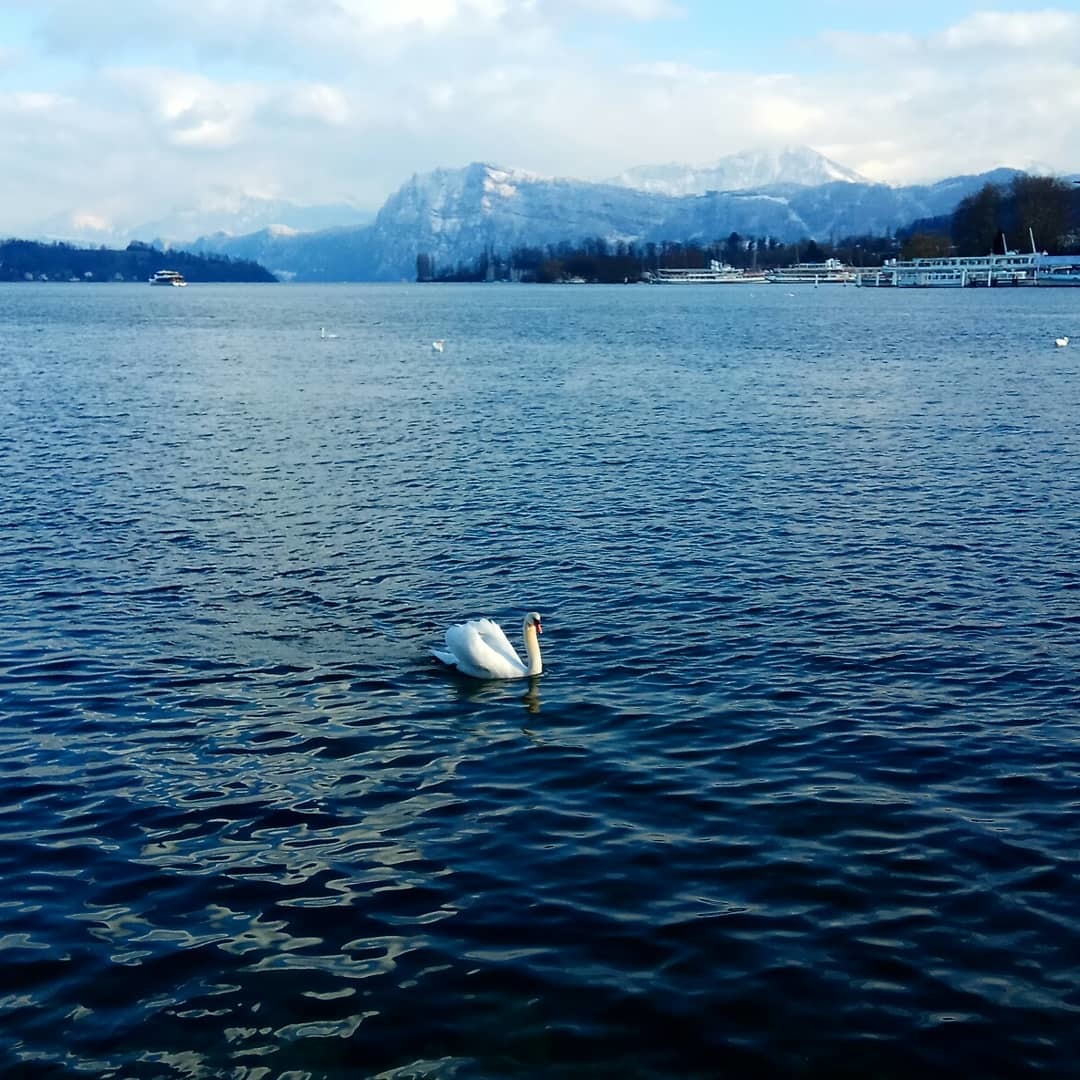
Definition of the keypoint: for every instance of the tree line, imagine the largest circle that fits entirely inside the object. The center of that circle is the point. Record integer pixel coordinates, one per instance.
(607, 262)
(1031, 209)
(30, 260)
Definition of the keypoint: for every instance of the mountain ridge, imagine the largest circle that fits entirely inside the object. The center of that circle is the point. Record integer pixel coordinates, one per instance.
(452, 216)
(746, 170)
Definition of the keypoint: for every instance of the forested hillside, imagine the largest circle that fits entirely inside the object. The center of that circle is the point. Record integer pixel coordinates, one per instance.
(28, 260)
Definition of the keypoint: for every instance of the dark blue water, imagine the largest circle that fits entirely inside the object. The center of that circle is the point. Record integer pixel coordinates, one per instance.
(797, 795)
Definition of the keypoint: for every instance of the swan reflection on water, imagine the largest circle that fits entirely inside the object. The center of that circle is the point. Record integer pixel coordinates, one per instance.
(491, 693)
(531, 698)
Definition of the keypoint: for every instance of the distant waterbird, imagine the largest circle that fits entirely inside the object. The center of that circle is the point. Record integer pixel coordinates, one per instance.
(438, 346)
(1061, 342)
(324, 335)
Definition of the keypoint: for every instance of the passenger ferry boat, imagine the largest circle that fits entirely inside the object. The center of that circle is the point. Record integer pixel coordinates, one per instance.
(829, 272)
(967, 271)
(716, 273)
(168, 277)
(976, 271)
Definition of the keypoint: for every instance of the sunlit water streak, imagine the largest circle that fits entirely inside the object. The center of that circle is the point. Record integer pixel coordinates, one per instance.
(796, 794)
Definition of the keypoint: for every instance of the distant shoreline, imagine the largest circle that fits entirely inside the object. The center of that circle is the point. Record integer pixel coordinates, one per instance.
(31, 261)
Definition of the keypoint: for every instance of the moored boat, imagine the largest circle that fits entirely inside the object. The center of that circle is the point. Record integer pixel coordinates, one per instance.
(829, 272)
(965, 271)
(716, 273)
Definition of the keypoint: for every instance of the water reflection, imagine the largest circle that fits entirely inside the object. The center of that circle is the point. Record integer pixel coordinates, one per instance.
(478, 692)
(531, 697)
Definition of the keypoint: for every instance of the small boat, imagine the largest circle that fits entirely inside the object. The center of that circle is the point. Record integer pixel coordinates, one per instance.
(168, 277)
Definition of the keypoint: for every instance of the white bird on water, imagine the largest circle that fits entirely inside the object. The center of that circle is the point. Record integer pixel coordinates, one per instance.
(439, 345)
(481, 649)
(1061, 342)
(324, 335)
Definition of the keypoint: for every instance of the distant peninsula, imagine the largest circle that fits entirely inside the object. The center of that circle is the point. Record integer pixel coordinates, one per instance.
(31, 260)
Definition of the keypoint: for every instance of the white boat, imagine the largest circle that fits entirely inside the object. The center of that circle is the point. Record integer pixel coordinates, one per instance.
(168, 277)
(716, 273)
(829, 272)
(966, 271)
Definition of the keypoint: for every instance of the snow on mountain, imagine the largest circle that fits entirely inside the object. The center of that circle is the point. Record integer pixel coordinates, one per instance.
(485, 206)
(455, 215)
(748, 170)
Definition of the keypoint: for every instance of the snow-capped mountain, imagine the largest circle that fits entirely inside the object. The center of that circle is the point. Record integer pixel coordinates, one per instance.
(486, 206)
(748, 170)
(455, 215)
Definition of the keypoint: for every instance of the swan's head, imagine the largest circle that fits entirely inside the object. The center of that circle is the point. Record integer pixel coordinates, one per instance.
(533, 620)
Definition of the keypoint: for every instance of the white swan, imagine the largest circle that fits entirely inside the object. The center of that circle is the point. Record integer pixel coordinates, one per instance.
(439, 345)
(481, 649)
(324, 335)
(1061, 342)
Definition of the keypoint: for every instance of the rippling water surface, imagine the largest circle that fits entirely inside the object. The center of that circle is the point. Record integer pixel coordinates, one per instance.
(797, 794)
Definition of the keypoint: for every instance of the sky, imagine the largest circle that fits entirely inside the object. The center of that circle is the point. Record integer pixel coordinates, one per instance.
(119, 112)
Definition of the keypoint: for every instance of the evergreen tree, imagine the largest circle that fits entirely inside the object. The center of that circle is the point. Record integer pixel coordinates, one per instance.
(976, 224)
(1041, 204)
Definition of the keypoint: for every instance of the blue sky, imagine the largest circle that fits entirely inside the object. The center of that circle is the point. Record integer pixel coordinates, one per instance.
(160, 106)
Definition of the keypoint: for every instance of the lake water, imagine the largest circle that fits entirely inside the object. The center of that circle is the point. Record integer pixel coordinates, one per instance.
(798, 793)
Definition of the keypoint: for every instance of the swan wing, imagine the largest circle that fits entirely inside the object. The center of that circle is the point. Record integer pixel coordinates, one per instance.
(479, 647)
(491, 633)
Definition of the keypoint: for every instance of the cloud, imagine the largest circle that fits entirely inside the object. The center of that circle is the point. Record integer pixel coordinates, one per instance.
(278, 34)
(1053, 31)
(430, 16)
(184, 109)
(870, 48)
(342, 100)
(639, 10)
(32, 101)
(309, 103)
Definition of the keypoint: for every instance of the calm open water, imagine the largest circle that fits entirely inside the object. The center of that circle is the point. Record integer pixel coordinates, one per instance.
(798, 793)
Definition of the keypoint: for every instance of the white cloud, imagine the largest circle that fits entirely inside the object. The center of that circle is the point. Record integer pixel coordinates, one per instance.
(1056, 31)
(640, 10)
(870, 48)
(314, 103)
(343, 99)
(985, 38)
(89, 222)
(32, 101)
(188, 110)
(430, 16)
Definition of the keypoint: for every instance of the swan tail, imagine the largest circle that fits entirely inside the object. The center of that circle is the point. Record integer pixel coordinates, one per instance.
(444, 656)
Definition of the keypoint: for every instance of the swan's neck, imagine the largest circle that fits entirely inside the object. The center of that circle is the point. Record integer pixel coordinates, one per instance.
(532, 650)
